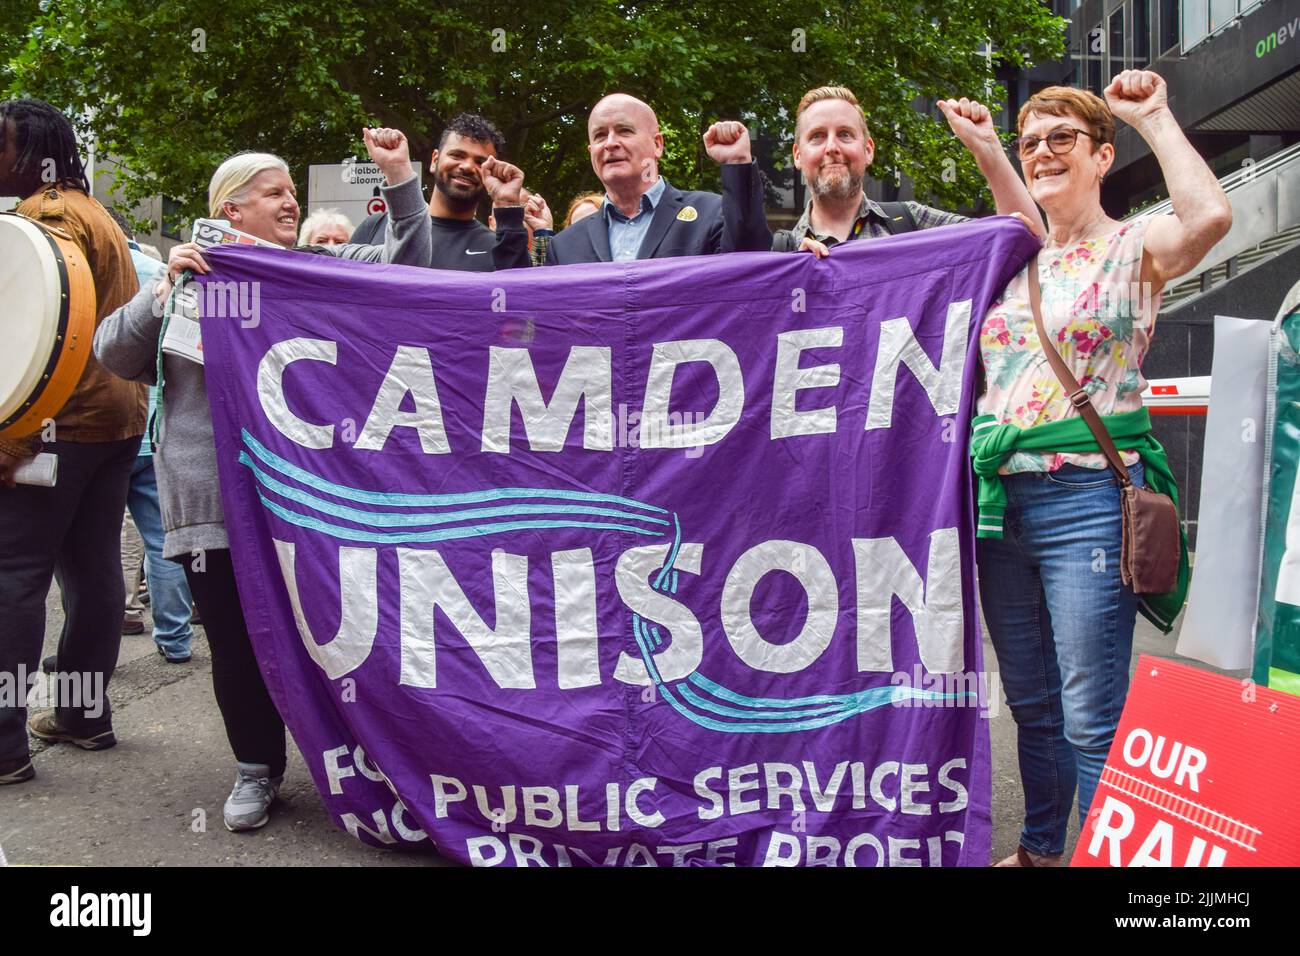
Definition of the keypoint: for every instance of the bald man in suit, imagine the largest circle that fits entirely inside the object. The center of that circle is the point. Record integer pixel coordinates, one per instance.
(643, 217)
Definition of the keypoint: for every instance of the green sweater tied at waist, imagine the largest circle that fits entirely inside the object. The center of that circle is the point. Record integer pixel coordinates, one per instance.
(992, 442)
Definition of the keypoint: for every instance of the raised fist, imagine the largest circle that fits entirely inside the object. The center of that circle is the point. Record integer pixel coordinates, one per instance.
(971, 122)
(389, 150)
(727, 142)
(1136, 95)
(504, 183)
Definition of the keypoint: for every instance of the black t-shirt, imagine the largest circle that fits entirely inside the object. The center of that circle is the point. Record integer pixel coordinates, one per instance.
(466, 245)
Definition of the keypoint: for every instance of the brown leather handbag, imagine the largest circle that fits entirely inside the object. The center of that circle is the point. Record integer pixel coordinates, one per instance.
(1152, 548)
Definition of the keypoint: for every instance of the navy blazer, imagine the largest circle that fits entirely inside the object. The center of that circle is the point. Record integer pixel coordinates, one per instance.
(732, 222)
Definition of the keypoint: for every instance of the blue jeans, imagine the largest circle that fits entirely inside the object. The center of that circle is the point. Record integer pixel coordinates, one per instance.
(169, 593)
(1061, 622)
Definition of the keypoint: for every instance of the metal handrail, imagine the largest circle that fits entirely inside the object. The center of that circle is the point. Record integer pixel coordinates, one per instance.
(1247, 174)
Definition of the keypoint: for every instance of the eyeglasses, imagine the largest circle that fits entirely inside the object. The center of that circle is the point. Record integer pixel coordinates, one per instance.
(1060, 140)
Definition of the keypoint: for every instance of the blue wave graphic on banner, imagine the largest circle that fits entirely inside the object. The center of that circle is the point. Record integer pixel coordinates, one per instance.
(572, 509)
(697, 698)
(761, 715)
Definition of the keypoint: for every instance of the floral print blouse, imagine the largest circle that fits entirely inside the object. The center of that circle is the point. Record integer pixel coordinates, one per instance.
(1099, 318)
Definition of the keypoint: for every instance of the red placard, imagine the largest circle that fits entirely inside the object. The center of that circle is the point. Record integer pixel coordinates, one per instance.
(1203, 772)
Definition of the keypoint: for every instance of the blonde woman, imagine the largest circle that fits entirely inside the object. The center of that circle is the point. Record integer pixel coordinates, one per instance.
(255, 193)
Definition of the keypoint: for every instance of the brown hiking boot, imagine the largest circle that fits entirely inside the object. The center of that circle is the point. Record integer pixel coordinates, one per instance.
(46, 726)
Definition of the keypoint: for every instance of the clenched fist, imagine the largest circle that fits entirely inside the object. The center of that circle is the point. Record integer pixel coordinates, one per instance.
(1137, 95)
(971, 122)
(727, 142)
(504, 183)
(537, 215)
(390, 152)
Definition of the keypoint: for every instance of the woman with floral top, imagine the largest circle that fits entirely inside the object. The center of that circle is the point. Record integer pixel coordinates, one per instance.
(1060, 618)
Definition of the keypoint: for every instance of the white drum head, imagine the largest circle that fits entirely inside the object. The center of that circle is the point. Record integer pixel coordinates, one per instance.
(31, 298)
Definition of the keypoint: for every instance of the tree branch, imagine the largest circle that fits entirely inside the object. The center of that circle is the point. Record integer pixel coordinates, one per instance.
(555, 114)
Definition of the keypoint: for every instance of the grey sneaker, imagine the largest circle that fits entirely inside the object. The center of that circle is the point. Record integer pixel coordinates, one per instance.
(249, 804)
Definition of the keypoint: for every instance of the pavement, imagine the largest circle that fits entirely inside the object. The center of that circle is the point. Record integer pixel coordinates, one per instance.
(155, 799)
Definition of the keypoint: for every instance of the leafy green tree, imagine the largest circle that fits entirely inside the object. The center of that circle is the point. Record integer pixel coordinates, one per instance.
(15, 17)
(171, 87)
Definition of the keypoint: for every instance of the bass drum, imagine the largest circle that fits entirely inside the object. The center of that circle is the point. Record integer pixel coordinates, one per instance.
(48, 299)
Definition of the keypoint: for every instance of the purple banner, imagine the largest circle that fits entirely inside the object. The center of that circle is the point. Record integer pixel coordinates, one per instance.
(650, 563)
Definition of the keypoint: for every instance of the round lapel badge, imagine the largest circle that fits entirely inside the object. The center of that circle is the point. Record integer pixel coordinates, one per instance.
(687, 214)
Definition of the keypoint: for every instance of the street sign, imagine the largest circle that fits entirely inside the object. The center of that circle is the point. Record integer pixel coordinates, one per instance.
(352, 188)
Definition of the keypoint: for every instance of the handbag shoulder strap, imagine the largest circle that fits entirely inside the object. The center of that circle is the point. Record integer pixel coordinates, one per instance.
(1079, 398)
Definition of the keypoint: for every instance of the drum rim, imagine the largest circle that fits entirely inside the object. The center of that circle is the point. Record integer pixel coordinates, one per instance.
(60, 336)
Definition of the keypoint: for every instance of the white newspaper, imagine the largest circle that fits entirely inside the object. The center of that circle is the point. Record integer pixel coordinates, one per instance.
(42, 470)
(1222, 600)
(182, 336)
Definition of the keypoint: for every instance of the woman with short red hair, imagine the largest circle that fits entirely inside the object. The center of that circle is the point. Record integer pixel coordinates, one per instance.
(1050, 538)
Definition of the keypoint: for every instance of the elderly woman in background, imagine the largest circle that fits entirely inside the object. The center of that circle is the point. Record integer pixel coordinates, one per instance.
(325, 227)
(255, 193)
(1060, 618)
